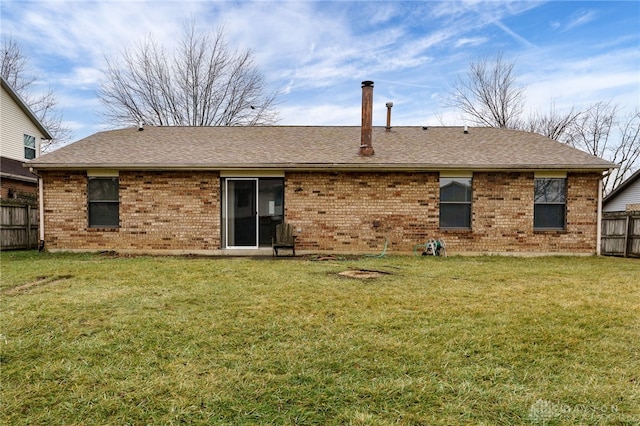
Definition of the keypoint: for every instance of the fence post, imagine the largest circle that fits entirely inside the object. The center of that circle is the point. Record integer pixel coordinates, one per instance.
(627, 234)
(28, 226)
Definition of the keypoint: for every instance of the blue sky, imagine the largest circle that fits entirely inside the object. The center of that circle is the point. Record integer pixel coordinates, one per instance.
(317, 53)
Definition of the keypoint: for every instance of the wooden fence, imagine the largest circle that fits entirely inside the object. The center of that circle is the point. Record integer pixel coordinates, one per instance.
(18, 226)
(621, 234)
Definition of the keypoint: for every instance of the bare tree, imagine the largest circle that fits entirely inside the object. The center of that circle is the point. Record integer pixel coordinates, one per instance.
(592, 131)
(489, 95)
(554, 125)
(14, 66)
(600, 132)
(627, 152)
(16, 71)
(204, 83)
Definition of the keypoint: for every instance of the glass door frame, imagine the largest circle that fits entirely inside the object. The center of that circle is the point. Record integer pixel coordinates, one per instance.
(255, 214)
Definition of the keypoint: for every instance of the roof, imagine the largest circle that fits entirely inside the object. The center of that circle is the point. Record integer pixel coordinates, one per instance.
(306, 147)
(25, 108)
(12, 169)
(622, 187)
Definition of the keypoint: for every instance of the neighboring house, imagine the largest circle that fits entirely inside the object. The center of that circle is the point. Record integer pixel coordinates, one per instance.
(625, 197)
(221, 190)
(20, 134)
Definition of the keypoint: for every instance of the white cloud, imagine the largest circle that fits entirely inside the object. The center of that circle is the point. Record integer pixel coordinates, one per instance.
(580, 82)
(322, 115)
(470, 41)
(579, 19)
(318, 52)
(84, 77)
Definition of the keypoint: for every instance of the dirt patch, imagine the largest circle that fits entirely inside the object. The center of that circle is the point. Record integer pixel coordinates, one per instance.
(39, 282)
(363, 274)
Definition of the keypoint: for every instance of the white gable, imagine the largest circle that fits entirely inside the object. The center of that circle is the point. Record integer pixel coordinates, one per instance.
(629, 195)
(14, 124)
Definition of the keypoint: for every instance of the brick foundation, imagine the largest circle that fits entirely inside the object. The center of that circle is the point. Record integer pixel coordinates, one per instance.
(340, 212)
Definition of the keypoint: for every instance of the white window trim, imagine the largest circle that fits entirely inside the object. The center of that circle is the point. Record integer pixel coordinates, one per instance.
(456, 174)
(102, 173)
(251, 173)
(550, 175)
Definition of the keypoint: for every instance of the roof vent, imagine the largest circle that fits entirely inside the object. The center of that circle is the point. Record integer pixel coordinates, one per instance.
(389, 106)
(466, 129)
(141, 126)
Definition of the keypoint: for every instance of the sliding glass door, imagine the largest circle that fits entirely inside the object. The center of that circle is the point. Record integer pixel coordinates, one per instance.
(251, 209)
(242, 225)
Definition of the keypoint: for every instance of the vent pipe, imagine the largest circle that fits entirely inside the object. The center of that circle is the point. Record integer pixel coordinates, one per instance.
(366, 146)
(389, 105)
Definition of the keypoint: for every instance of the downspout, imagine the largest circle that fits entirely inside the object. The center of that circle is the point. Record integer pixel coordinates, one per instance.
(599, 224)
(40, 203)
(41, 212)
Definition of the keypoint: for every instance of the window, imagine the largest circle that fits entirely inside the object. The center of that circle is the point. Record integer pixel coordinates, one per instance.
(550, 203)
(29, 147)
(104, 204)
(455, 202)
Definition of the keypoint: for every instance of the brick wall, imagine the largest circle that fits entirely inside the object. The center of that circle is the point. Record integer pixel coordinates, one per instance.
(357, 211)
(342, 212)
(11, 188)
(158, 211)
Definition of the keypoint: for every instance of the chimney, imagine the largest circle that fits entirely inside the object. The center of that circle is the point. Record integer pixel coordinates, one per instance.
(366, 147)
(389, 105)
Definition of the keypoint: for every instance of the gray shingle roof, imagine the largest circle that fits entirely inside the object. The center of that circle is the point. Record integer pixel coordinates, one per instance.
(13, 169)
(302, 147)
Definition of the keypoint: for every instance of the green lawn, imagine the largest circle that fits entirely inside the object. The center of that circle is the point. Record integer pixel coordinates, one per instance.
(97, 339)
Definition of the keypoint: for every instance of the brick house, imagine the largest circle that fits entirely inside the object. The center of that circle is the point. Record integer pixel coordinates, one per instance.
(222, 190)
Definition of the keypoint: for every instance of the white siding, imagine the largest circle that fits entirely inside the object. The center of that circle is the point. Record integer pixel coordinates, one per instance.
(14, 124)
(630, 195)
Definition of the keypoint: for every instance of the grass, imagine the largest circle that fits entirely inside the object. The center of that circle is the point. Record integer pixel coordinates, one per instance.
(90, 339)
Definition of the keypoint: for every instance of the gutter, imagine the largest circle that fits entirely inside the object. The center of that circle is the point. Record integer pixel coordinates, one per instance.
(19, 177)
(368, 166)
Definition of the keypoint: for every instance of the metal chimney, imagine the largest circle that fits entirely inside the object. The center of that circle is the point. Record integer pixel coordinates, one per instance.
(389, 106)
(366, 147)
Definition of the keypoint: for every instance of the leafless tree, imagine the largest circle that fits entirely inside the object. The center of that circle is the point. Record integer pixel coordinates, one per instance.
(204, 83)
(14, 66)
(592, 131)
(600, 132)
(16, 71)
(554, 124)
(627, 152)
(489, 95)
